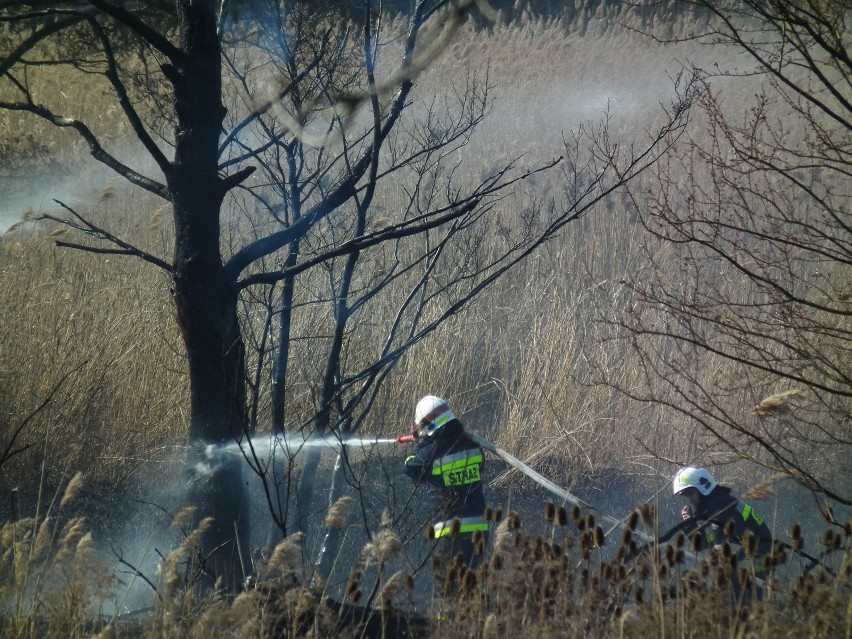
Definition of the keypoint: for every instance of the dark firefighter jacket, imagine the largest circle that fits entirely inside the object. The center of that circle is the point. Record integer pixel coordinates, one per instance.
(715, 510)
(450, 464)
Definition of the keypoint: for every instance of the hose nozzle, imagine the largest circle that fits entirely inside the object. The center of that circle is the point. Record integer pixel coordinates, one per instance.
(406, 439)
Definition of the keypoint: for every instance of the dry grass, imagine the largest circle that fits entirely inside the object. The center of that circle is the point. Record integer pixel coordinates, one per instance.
(520, 365)
(569, 582)
(107, 325)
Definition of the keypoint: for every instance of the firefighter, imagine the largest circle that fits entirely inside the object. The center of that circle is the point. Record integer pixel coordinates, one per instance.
(721, 518)
(449, 463)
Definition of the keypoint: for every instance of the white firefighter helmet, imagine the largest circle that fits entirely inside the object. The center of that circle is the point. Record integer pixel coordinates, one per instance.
(432, 413)
(691, 477)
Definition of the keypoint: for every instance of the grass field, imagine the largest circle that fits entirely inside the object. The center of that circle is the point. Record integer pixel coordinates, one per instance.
(96, 336)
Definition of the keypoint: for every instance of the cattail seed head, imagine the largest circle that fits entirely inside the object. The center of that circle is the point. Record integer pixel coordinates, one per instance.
(720, 578)
(575, 513)
(798, 544)
(600, 538)
(455, 528)
(430, 533)
(749, 545)
(587, 539)
(730, 528)
(795, 532)
(488, 515)
(498, 515)
(633, 520)
(562, 516)
(352, 584)
(697, 542)
(450, 580)
(743, 576)
(648, 513)
(828, 538)
(679, 540)
(513, 521)
(549, 512)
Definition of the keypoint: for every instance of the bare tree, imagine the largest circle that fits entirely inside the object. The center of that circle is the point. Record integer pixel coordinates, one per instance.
(744, 320)
(327, 132)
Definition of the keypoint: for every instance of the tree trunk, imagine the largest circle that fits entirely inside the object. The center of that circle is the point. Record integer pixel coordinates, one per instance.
(206, 299)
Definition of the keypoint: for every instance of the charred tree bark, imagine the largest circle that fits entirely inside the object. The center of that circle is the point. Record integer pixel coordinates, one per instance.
(206, 297)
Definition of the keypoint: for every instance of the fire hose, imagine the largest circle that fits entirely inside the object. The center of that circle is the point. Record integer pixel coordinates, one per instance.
(566, 496)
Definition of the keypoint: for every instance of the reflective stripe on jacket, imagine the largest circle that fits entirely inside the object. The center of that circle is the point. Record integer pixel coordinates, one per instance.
(466, 525)
(449, 465)
(720, 507)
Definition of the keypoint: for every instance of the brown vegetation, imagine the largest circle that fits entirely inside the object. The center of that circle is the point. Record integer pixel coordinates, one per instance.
(518, 360)
(563, 584)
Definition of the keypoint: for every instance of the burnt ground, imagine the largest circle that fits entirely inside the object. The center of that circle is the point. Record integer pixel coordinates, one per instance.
(131, 522)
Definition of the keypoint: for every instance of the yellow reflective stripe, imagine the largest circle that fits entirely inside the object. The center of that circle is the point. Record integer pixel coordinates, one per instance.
(409, 458)
(747, 511)
(469, 528)
(456, 465)
(466, 525)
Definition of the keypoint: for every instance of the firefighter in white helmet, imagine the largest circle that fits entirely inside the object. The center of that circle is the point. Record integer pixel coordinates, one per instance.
(449, 464)
(715, 513)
